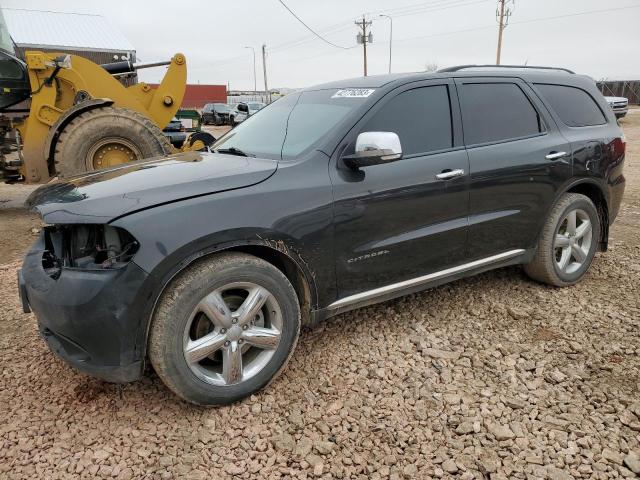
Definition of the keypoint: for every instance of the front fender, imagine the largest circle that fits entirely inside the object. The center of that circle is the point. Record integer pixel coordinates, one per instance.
(66, 118)
(176, 262)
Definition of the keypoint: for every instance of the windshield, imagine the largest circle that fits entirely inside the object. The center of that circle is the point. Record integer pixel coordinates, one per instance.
(221, 107)
(289, 126)
(6, 43)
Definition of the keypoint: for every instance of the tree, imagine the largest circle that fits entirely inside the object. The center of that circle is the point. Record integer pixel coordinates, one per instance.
(431, 67)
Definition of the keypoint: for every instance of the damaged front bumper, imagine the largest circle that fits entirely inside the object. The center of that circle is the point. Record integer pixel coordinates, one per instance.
(92, 319)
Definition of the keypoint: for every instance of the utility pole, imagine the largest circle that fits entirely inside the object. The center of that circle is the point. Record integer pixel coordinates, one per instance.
(364, 38)
(503, 12)
(390, 36)
(264, 70)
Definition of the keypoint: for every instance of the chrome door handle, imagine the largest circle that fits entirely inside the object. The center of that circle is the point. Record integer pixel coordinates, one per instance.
(458, 172)
(556, 155)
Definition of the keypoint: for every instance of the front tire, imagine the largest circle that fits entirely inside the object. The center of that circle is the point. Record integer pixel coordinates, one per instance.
(568, 242)
(224, 328)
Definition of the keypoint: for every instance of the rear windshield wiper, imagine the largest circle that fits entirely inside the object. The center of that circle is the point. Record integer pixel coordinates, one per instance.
(233, 151)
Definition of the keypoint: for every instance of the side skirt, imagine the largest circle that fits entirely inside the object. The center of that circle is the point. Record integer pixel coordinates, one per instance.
(413, 285)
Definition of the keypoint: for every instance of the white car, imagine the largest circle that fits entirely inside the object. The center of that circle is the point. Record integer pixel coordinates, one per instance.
(238, 116)
(619, 105)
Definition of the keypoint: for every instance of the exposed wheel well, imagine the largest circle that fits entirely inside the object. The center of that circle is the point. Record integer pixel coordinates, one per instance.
(290, 269)
(594, 193)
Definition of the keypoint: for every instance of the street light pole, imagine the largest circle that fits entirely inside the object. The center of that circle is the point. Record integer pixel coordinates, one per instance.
(255, 85)
(264, 69)
(390, 37)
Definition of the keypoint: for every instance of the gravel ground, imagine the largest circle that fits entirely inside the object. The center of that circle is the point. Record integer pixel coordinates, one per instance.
(489, 377)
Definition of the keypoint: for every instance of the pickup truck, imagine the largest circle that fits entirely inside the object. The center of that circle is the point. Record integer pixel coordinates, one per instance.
(619, 105)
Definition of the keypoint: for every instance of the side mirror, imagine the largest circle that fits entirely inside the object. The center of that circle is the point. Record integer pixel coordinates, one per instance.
(243, 107)
(374, 148)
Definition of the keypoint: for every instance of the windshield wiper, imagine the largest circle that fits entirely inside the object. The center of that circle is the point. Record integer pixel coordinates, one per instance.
(233, 151)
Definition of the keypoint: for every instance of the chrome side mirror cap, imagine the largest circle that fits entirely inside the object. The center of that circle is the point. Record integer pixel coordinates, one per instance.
(374, 148)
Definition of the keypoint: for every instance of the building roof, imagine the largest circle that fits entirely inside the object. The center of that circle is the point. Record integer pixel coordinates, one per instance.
(83, 32)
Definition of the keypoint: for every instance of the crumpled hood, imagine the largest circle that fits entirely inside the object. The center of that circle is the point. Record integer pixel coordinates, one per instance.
(102, 196)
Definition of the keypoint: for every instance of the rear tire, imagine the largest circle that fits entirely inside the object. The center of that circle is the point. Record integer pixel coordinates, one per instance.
(106, 137)
(568, 242)
(206, 343)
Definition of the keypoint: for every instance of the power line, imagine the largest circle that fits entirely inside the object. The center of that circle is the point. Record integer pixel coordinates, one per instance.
(577, 14)
(483, 27)
(330, 28)
(311, 29)
(436, 8)
(532, 20)
(412, 6)
(308, 38)
(423, 7)
(407, 39)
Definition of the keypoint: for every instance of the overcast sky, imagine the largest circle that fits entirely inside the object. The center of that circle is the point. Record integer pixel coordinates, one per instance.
(213, 35)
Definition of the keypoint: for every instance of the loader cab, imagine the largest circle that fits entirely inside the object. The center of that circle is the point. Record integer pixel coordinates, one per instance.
(14, 81)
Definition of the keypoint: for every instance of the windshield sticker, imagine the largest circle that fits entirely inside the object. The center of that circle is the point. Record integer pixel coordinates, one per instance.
(354, 93)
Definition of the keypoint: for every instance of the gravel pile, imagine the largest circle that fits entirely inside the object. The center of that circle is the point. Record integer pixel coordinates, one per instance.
(492, 377)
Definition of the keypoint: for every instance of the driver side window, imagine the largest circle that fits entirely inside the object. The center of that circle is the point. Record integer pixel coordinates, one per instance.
(421, 117)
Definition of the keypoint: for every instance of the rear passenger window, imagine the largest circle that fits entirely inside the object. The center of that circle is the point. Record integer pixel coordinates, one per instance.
(492, 112)
(421, 117)
(574, 106)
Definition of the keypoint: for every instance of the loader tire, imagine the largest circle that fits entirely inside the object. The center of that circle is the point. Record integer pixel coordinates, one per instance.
(107, 137)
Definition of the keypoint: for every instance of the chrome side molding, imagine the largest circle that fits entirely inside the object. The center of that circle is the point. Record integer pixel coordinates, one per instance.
(395, 287)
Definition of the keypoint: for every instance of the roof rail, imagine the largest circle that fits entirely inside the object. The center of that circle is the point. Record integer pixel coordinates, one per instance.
(463, 67)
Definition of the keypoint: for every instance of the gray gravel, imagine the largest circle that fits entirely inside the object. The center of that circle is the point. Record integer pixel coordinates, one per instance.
(490, 377)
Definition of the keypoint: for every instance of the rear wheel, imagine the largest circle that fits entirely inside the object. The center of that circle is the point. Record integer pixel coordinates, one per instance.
(224, 329)
(106, 137)
(568, 242)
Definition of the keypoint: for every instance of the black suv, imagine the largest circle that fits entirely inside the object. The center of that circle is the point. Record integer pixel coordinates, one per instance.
(216, 114)
(331, 198)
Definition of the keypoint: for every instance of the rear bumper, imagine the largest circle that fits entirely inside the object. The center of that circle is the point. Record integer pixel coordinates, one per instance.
(90, 319)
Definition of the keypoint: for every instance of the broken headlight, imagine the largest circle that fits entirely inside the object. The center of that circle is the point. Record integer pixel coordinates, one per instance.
(88, 247)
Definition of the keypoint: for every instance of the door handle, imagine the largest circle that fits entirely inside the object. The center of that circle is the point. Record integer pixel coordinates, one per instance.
(447, 174)
(556, 155)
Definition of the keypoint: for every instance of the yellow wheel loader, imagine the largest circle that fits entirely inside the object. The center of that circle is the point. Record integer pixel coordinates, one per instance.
(80, 117)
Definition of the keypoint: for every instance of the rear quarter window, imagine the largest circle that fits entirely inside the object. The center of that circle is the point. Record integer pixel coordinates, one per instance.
(495, 112)
(574, 106)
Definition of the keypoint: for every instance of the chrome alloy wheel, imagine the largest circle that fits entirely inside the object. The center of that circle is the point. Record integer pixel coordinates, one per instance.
(572, 242)
(232, 333)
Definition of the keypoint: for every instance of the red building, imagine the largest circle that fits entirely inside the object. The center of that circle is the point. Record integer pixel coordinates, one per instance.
(196, 96)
